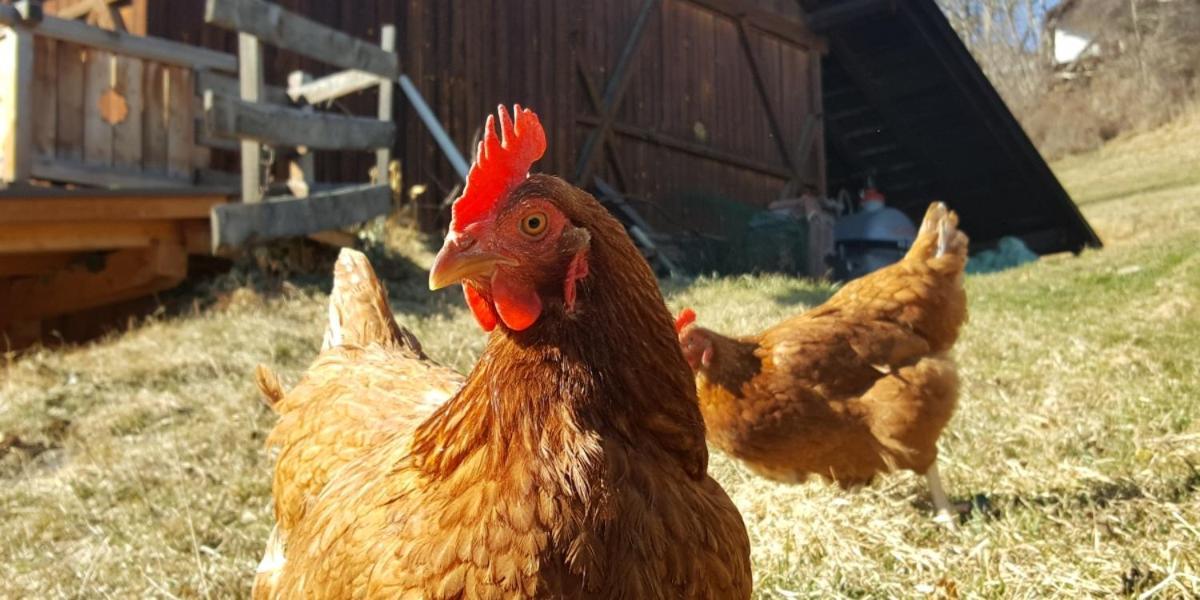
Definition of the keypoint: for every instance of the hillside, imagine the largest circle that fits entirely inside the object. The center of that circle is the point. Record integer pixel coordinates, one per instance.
(134, 468)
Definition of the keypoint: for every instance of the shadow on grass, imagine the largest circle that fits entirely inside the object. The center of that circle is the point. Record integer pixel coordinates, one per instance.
(1124, 193)
(405, 281)
(801, 294)
(277, 271)
(1097, 495)
(803, 298)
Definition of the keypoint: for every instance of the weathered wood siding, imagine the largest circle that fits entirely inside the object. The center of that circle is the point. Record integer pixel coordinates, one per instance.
(151, 135)
(690, 82)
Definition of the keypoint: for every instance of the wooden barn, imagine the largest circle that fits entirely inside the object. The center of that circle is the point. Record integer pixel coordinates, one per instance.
(678, 112)
(661, 98)
(668, 100)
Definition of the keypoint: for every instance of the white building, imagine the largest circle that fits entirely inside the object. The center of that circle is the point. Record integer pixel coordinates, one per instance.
(1070, 46)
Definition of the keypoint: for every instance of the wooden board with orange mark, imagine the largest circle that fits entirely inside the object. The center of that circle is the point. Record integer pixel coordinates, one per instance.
(109, 119)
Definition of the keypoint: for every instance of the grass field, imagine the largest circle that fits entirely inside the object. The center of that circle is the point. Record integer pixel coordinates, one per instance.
(137, 468)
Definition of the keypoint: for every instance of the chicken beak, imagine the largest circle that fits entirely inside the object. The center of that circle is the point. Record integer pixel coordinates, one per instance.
(462, 258)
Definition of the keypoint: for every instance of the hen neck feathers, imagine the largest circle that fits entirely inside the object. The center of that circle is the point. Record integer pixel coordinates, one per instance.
(735, 362)
(610, 371)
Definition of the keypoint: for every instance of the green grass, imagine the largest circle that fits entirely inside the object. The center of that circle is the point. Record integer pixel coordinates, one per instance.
(140, 470)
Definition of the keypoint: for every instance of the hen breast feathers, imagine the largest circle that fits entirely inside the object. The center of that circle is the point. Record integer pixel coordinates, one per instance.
(856, 386)
(535, 479)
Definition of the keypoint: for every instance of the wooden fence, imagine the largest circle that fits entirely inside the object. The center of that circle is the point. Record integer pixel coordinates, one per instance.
(103, 108)
(260, 125)
(105, 147)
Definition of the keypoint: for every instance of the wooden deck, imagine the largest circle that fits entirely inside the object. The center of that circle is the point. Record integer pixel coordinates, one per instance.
(66, 251)
(106, 140)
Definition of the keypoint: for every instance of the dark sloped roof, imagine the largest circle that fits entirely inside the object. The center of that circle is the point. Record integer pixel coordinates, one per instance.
(906, 102)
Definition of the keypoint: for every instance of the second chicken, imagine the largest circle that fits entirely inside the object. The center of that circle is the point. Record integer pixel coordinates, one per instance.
(857, 386)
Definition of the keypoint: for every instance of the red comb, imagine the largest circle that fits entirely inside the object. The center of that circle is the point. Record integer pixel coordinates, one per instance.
(499, 166)
(686, 317)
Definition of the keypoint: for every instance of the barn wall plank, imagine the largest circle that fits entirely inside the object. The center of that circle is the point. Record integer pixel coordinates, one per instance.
(467, 56)
(97, 133)
(181, 127)
(127, 134)
(45, 94)
(155, 115)
(70, 114)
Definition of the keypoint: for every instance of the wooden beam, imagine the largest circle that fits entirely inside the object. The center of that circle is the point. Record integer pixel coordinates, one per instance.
(230, 86)
(768, 103)
(817, 94)
(215, 142)
(280, 126)
(695, 149)
(237, 225)
(614, 90)
(278, 27)
(610, 139)
(850, 157)
(872, 151)
(150, 48)
(387, 91)
(16, 105)
(845, 12)
(125, 274)
(63, 236)
(34, 264)
(106, 16)
(69, 171)
(781, 26)
(332, 87)
(218, 180)
(434, 126)
(250, 85)
(301, 164)
(79, 9)
(335, 238)
(803, 150)
(899, 123)
(106, 208)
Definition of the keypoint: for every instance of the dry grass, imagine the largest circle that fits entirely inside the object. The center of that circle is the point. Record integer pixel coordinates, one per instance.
(1166, 159)
(140, 472)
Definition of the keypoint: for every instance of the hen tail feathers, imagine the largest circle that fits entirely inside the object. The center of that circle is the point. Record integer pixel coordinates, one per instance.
(939, 235)
(358, 308)
(269, 386)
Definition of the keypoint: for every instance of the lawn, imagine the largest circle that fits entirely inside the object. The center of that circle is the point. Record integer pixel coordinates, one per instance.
(133, 467)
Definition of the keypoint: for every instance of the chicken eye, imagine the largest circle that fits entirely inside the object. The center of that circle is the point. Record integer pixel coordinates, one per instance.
(534, 224)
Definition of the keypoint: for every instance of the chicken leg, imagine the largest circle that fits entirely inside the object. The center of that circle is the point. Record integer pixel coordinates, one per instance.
(945, 511)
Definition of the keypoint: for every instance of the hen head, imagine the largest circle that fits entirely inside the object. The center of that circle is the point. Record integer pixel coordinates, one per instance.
(695, 341)
(512, 242)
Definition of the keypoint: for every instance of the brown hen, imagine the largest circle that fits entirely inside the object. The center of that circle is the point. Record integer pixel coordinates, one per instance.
(857, 386)
(371, 382)
(570, 464)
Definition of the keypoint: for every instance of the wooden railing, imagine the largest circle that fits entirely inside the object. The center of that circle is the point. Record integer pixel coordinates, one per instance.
(86, 106)
(251, 117)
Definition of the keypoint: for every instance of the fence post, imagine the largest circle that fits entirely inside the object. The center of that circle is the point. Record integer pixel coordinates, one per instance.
(383, 156)
(250, 83)
(16, 102)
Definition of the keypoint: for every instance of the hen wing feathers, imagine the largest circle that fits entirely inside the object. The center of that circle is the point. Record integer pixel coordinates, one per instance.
(370, 382)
